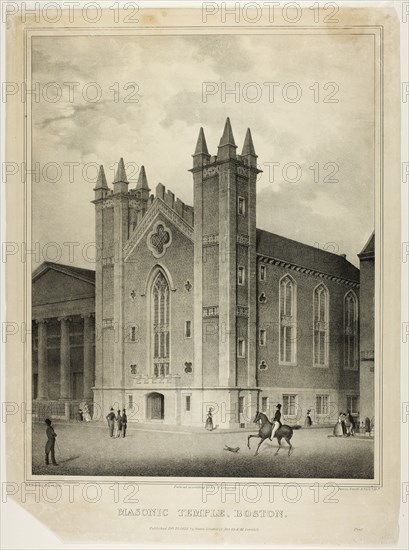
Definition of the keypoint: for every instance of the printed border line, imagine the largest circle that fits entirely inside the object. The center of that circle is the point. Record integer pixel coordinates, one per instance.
(29, 33)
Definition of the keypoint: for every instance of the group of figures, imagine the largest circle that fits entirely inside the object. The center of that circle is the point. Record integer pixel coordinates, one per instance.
(117, 423)
(83, 414)
(345, 425)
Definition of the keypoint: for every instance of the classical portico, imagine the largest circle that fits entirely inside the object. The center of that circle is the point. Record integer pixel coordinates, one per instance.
(63, 334)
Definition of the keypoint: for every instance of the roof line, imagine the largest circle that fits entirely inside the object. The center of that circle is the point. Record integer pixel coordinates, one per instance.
(366, 244)
(302, 268)
(63, 268)
(315, 248)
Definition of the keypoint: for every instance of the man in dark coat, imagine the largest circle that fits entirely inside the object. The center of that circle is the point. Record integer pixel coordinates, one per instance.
(276, 421)
(50, 445)
(351, 421)
(344, 428)
(124, 422)
(111, 422)
(118, 424)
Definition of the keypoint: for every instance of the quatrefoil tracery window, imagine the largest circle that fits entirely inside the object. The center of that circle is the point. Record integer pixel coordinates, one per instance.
(159, 239)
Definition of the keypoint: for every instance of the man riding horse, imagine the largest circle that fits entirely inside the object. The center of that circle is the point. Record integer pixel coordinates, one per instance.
(268, 430)
(276, 421)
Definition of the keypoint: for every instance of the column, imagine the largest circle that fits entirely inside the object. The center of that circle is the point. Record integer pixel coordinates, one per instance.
(42, 360)
(65, 363)
(88, 356)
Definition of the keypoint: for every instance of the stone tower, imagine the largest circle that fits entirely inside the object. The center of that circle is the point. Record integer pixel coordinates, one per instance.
(117, 213)
(225, 271)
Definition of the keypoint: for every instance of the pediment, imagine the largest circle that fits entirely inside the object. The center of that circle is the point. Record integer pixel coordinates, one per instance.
(53, 283)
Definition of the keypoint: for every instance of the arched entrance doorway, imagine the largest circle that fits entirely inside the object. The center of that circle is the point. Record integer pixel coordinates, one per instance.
(155, 406)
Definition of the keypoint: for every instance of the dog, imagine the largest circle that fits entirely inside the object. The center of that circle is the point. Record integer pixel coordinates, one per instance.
(232, 449)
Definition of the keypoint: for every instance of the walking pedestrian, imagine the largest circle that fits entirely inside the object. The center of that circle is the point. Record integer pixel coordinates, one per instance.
(344, 428)
(50, 445)
(118, 424)
(124, 422)
(209, 420)
(308, 421)
(338, 431)
(111, 422)
(350, 423)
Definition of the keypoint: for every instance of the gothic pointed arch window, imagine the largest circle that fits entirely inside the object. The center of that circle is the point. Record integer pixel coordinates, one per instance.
(321, 326)
(160, 327)
(350, 331)
(288, 320)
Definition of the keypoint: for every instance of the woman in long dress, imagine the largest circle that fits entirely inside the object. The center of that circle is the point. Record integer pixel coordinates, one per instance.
(338, 431)
(85, 413)
(308, 421)
(209, 421)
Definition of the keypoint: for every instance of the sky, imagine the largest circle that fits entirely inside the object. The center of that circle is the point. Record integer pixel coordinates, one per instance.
(307, 99)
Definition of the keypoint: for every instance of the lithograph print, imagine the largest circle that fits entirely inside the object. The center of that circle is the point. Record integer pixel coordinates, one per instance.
(202, 258)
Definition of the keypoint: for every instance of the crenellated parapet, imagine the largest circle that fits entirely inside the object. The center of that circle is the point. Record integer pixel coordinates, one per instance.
(139, 200)
(178, 206)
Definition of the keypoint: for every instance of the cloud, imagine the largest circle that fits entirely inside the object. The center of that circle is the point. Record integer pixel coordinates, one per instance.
(73, 112)
(151, 108)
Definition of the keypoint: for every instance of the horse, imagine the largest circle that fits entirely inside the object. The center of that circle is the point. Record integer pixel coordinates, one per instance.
(266, 429)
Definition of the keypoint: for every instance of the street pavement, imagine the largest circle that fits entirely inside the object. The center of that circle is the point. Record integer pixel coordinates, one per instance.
(85, 449)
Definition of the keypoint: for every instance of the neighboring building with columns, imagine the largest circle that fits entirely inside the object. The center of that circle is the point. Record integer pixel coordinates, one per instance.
(63, 313)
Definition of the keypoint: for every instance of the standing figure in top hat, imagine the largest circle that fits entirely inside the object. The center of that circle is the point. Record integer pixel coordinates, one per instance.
(124, 420)
(111, 422)
(50, 445)
(118, 432)
(277, 421)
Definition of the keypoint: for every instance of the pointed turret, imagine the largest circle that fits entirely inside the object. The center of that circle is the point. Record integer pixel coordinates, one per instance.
(201, 145)
(120, 175)
(248, 150)
(142, 189)
(121, 181)
(101, 179)
(201, 155)
(248, 146)
(227, 146)
(227, 137)
(101, 186)
(142, 180)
